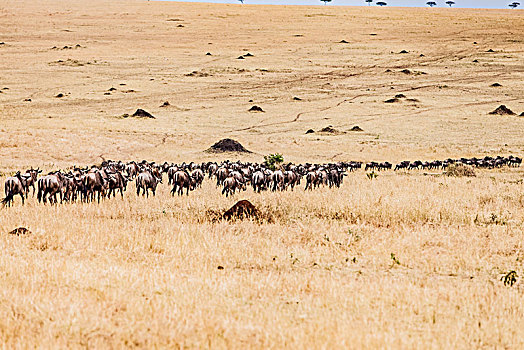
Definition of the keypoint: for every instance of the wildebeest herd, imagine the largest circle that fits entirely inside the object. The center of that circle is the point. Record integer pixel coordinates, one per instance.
(112, 177)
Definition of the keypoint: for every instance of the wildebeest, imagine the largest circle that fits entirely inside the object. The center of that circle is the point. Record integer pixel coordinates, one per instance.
(31, 175)
(277, 178)
(198, 177)
(181, 180)
(15, 185)
(132, 170)
(50, 185)
(93, 182)
(231, 184)
(258, 181)
(116, 181)
(147, 180)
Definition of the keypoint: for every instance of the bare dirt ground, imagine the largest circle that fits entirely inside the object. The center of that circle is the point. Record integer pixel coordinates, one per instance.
(403, 261)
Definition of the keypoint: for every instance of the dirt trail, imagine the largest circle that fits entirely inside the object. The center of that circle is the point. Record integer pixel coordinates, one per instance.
(299, 115)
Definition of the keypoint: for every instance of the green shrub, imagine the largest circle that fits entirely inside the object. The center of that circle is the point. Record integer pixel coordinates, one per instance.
(273, 161)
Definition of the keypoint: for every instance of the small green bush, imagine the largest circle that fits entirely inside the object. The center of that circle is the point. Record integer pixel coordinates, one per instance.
(273, 161)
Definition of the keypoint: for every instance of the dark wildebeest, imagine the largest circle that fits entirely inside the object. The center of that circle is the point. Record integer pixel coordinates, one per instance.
(15, 185)
(147, 180)
(171, 174)
(258, 181)
(221, 174)
(51, 185)
(131, 170)
(31, 180)
(116, 181)
(278, 180)
(93, 182)
(181, 180)
(291, 179)
(231, 184)
(198, 177)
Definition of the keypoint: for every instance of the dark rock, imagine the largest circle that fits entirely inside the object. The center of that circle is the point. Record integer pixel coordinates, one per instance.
(475, 61)
(256, 109)
(490, 50)
(297, 99)
(502, 110)
(405, 71)
(208, 54)
(165, 104)
(112, 89)
(220, 267)
(240, 57)
(20, 231)
(343, 42)
(392, 100)
(248, 55)
(356, 128)
(227, 145)
(60, 95)
(27, 100)
(310, 131)
(330, 130)
(404, 51)
(400, 96)
(140, 113)
(496, 85)
(241, 210)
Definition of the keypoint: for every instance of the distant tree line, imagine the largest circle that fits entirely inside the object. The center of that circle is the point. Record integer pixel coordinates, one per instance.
(450, 3)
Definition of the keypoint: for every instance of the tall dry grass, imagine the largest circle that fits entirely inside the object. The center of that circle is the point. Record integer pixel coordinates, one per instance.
(403, 260)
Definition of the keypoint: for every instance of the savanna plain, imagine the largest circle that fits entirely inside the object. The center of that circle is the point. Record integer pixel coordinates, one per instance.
(409, 259)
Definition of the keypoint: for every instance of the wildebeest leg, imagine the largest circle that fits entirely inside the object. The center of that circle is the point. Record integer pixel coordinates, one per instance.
(138, 190)
(22, 196)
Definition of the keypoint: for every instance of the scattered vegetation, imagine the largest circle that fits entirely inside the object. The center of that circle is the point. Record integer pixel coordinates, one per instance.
(459, 170)
(273, 161)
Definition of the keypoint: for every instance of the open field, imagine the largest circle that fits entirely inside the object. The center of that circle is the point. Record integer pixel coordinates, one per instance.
(402, 261)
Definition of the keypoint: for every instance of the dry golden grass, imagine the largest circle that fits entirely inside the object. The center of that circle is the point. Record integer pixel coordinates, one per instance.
(400, 261)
